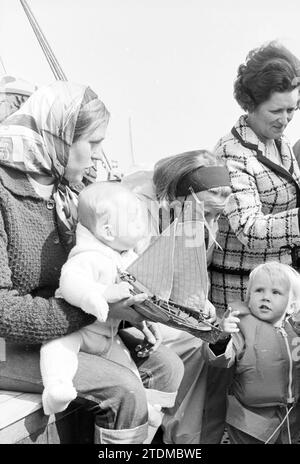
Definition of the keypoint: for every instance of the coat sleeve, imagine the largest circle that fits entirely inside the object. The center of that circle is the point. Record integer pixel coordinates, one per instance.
(81, 283)
(232, 352)
(32, 320)
(244, 209)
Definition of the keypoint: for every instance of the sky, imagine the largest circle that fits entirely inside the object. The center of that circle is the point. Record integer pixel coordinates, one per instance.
(164, 68)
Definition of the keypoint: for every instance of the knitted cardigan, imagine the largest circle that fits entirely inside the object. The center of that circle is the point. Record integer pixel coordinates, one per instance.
(261, 220)
(31, 257)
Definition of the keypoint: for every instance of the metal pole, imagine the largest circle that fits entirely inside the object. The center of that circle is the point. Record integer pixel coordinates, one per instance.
(48, 52)
(131, 141)
(3, 65)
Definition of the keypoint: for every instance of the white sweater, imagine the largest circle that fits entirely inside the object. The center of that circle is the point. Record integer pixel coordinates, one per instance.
(91, 267)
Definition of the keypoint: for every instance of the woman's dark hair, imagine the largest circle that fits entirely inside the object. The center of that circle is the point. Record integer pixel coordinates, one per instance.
(168, 172)
(270, 68)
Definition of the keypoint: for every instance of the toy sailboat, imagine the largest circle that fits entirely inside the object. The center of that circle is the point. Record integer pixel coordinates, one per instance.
(172, 271)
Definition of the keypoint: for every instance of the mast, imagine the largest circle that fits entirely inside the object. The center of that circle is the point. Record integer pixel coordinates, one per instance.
(48, 52)
(57, 69)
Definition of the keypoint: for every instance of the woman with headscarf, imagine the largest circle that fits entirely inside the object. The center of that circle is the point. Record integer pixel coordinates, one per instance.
(45, 149)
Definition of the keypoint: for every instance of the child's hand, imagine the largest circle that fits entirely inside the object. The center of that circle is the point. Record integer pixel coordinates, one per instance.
(229, 322)
(117, 292)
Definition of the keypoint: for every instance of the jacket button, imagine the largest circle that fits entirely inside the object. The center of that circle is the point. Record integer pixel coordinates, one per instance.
(56, 240)
(50, 204)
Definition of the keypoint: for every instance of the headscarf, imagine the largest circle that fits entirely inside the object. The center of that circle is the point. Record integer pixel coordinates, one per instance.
(37, 138)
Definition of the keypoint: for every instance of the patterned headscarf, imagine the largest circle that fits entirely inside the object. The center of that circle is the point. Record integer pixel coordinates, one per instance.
(37, 138)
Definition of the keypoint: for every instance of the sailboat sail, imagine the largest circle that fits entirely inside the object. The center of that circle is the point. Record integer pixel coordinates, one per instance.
(173, 273)
(189, 269)
(154, 268)
(173, 267)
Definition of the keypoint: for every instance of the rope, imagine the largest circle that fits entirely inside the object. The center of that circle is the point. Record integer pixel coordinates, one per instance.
(281, 423)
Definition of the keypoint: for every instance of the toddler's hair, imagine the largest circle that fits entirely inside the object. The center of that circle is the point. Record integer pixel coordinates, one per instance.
(277, 270)
(96, 203)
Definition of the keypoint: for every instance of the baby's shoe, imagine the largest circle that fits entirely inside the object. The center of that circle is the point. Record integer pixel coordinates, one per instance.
(154, 415)
(57, 397)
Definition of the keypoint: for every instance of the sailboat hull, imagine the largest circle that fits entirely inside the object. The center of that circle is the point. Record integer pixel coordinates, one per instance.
(176, 316)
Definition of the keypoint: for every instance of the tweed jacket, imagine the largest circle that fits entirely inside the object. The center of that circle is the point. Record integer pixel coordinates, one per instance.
(261, 217)
(31, 257)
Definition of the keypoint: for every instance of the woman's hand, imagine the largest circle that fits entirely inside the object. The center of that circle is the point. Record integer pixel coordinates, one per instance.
(125, 311)
(153, 338)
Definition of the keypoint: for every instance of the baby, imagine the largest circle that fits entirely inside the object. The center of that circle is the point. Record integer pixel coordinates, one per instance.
(110, 225)
(261, 338)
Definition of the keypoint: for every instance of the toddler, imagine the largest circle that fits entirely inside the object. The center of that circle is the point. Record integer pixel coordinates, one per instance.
(261, 338)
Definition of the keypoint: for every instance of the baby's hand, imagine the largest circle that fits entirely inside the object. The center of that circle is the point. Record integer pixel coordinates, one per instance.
(229, 322)
(117, 292)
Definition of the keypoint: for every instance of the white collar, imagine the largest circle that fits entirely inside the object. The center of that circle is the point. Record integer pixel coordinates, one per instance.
(44, 191)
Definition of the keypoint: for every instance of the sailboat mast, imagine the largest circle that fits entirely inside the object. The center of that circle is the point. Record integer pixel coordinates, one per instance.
(55, 67)
(48, 52)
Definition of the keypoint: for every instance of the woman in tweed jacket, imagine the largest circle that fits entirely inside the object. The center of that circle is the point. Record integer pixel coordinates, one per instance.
(261, 217)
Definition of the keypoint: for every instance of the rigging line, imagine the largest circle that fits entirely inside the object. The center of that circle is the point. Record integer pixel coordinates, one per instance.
(47, 49)
(131, 141)
(3, 65)
(48, 57)
(42, 40)
(55, 66)
(109, 168)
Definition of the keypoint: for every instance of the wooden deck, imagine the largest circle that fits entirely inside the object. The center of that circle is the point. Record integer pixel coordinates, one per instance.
(22, 421)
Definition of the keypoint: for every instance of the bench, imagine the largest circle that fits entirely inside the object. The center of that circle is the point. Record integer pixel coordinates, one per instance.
(22, 421)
